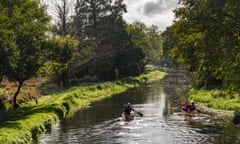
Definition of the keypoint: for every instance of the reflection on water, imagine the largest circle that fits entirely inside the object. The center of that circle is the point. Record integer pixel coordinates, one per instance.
(161, 123)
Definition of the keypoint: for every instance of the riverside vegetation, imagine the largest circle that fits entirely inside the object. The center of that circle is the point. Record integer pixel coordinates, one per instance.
(25, 124)
(204, 40)
(217, 103)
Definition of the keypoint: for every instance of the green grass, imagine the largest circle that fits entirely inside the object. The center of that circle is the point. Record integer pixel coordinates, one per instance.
(26, 123)
(216, 99)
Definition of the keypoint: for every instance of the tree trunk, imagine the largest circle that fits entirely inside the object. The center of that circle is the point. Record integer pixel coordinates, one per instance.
(2, 107)
(15, 105)
(65, 79)
(1, 77)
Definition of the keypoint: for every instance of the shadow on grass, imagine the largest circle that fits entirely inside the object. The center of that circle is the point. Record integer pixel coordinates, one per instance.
(10, 119)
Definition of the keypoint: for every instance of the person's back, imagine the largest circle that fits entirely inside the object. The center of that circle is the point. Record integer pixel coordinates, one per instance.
(128, 108)
(185, 106)
(192, 107)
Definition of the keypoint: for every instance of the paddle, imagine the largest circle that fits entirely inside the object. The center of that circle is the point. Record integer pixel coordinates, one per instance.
(139, 113)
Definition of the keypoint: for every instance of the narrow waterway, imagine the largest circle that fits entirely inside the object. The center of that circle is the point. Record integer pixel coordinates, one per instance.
(162, 123)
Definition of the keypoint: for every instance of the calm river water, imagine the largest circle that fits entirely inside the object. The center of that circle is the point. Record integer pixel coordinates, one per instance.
(162, 122)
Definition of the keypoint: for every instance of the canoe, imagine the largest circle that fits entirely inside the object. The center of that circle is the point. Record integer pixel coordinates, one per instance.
(188, 110)
(189, 113)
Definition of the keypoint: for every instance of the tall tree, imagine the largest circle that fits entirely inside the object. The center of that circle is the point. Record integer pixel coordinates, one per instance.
(118, 8)
(154, 51)
(63, 54)
(92, 20)
(28, 22)
(7, 46)
(208, 41)
(63, 15)
(131, 59)
(88, 14)
(101, 29)
(169, 42)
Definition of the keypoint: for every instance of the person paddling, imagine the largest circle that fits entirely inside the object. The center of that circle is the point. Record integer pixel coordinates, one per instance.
(127, 112)
(192, 107)
(128, 109)
(188, 107)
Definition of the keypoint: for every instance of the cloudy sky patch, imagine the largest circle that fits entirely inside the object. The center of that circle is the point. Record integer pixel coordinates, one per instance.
(150, 12)
(151, 8)
(159, 6)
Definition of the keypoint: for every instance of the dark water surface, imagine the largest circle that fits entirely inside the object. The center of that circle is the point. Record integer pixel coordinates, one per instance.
(162, 122)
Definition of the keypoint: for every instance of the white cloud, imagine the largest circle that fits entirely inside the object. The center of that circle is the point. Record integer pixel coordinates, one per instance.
(157, 12)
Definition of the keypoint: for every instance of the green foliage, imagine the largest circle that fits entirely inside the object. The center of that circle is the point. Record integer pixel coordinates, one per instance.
(63, 50)
(63, 53)
(7, 45)
(23, 29)
(154, 51)
(130, 61)
(207, 34)
(215, 99)
(109, 50)
(169, 42)
(24, 130)
(90, 13)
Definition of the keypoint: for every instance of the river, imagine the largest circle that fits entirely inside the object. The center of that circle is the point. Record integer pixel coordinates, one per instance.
(162, 123)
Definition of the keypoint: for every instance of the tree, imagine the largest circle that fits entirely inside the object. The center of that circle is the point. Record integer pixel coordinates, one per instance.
(88, 14)
(63, 54)
(7, 46)
(63, 15)
(208, 42)
(28, 22)
(93, 20)
(169, 42)
(230, 44)
(112, 48)
(118, 8)
(131, 59)
(154, 51)
(104, 35)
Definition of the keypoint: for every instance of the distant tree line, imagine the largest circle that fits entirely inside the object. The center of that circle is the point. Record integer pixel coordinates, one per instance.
(205, 39)
(93, 40)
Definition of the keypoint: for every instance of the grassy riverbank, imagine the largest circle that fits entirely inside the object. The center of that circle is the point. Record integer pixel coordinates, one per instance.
(26, 123)
(217, 103)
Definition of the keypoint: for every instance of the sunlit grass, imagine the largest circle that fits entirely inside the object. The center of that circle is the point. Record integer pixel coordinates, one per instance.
(27, 127)
(26, 123)
(216, 99)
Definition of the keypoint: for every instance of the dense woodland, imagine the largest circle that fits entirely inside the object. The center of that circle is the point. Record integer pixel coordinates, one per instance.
(205, 39)
(94, 41)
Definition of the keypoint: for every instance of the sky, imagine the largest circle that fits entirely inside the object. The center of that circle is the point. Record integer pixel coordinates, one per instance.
(150, 12)
(157, 12)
